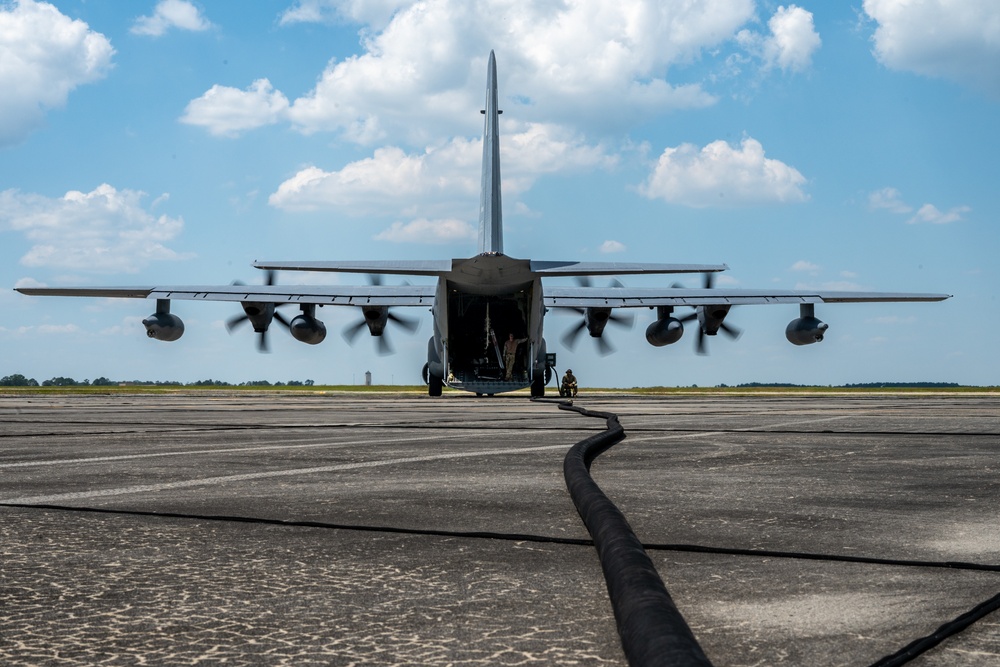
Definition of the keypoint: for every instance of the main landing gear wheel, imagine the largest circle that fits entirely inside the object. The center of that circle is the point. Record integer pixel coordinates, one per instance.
(538, 388)
(433, 382)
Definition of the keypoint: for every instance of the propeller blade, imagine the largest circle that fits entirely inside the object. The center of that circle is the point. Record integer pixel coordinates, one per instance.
(382, 345)
(624, 320)
(604, 348)
(271, 277)
(410, 324)
(731, 331)
(262, 342)
(570, 337)
(236, 321)
(699, 345)
(351, 333)
(282, 319)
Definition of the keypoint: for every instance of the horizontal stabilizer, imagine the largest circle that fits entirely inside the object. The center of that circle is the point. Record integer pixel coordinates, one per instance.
(618, 268)
(429, 267)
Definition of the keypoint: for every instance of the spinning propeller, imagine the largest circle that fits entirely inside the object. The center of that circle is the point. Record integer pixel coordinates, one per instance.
(594, 320)
(711, 319)
(260, 314)
(376, 318)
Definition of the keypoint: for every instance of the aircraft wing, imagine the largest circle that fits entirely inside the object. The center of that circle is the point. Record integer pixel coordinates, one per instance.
(624, 297)
(323, 295)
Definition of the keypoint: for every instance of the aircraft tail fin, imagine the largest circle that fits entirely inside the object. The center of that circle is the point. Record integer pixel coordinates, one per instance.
(490, 213)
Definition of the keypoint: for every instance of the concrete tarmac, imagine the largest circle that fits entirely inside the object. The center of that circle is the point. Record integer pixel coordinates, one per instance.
(145, 529)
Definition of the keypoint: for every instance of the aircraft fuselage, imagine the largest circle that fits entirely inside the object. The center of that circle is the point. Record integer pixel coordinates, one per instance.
(479, 305)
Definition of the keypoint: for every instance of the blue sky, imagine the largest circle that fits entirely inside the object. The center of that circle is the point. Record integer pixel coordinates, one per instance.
(815, 145)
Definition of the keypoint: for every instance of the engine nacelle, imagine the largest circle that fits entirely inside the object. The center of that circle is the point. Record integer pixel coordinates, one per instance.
(596, 319)
(259, 313)
(376, 317)
(664, 331)
(806, 329)
(163, 326)
(307, 329)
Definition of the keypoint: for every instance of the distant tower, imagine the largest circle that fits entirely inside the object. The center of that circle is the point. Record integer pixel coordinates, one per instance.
(368, 378)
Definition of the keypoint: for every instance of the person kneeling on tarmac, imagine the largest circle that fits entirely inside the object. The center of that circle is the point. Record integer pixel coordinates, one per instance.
(568, 387)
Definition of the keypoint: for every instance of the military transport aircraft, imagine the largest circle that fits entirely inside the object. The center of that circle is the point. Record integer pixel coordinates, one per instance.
(487, 304)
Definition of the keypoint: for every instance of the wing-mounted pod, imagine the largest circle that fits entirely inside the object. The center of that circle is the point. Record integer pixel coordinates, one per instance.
(666, 330)
(306, 328)
(806, 329)
(161, 325)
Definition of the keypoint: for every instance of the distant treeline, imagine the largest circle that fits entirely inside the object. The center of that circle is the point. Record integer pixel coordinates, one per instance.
(18, 380)
(860, 385)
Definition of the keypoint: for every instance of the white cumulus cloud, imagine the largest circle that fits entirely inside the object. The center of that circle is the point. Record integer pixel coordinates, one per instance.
(611, 246)
(428, 231)
(891, 199)
(382, 183)
(804, 265)
(374, 13)
(957, 40)
(102, 231)
(930, 213)
(793, 39)
(226, 111)
(586, 64)
(443, 181)
(720, 175)
(790, 44)
(168, 14)
(44, 55)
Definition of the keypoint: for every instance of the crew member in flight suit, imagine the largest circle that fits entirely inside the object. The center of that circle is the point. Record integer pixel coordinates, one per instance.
(510, 352)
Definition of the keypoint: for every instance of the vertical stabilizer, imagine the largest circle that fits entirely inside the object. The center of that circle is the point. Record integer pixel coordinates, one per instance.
(490, 215)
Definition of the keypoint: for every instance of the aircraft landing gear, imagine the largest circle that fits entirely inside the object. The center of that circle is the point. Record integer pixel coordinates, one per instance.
(434, 383)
